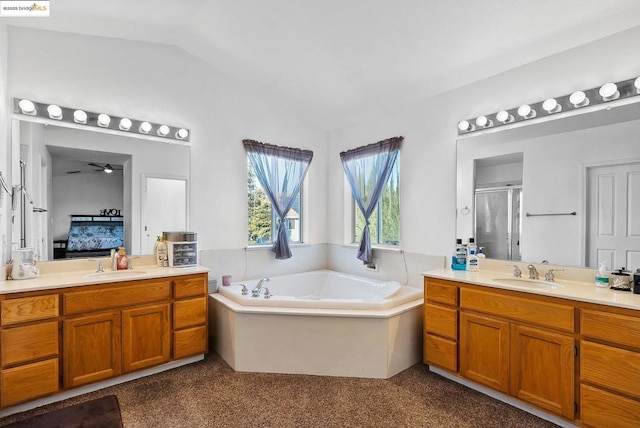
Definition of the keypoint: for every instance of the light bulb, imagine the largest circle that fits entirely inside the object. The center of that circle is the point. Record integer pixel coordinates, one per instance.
(526, 111)
(550, 105)
(465, 126)
(145, 127)
(163, 130)
(55, 112)
(483, 122)
(182, 133)
(104, 120)
(27, 107)
(609, 92)
(108, 169)
(125, 124)
(79, 116)
(504, 117)
(579, 99)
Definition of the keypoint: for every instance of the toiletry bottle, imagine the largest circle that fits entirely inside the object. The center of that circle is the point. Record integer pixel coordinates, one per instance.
(123, 260)
(155, 246)
(459, 257)
(481, 257)
(114, 259)
(602, 277)
(473, 263)
(472, 245)
(161, 252)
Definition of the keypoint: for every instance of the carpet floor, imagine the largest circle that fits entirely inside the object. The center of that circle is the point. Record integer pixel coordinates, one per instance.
(210, 394)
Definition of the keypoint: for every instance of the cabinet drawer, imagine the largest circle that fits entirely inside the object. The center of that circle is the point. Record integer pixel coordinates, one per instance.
(113, 296)
(441, 321)
(189, 286)
(441, 291)
(519, 308)
(441, 352)
(24, 383)
(610, 367)
(21, 344)
(187, 313)
(610, 327)
(189, 342)
(15, 311)
(603, 409)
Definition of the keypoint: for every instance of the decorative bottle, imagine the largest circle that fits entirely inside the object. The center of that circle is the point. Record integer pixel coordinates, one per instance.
(123, 260)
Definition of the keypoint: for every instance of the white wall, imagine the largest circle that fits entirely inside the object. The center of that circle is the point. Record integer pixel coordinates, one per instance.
(428, 157)
(163, 84)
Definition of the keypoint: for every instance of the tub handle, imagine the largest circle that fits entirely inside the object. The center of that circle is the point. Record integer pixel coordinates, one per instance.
(244, 290)
(266, 293)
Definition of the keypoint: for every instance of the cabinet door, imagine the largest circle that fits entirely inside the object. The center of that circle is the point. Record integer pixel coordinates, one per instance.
(91, 348)
(542, 369)
(146, 337)
(484, 350)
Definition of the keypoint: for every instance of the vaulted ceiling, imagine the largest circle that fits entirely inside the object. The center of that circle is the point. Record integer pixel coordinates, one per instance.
(340, 60)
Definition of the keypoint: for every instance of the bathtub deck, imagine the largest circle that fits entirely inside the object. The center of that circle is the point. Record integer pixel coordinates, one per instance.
(328, 342)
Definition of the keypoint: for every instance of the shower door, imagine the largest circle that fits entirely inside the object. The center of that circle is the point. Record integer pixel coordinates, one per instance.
(498, 221)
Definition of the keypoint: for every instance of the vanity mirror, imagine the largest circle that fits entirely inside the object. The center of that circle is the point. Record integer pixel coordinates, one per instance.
(565, 190)
(63, 170)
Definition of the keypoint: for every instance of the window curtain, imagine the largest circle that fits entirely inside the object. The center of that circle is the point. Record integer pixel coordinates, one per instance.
(367, 169)
(280, 171)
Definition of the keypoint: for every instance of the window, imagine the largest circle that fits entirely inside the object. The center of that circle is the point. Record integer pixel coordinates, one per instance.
(385, 219)
(263, 221)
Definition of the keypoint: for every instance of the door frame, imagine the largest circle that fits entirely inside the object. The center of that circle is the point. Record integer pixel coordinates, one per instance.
(584, 227)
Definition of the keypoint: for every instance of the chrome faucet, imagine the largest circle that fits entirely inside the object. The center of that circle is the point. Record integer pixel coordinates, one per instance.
(549, 275)
(256, 291)
(517, 273)
(533, 272)
(99, 268)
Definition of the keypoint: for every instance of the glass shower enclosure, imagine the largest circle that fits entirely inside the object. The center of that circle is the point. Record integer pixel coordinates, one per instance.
(498, 221)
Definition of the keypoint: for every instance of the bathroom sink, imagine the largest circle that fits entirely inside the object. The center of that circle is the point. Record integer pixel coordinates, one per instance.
(526, 282)
(115, 274)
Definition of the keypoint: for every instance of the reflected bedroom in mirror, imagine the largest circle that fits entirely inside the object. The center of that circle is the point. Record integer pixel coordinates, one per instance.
(84, 192)
(564, 191)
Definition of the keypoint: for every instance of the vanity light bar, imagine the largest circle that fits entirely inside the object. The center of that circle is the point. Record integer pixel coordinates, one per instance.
(99, 120)
(608, 92)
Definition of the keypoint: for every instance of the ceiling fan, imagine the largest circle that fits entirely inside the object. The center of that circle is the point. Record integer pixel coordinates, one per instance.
(106, 167)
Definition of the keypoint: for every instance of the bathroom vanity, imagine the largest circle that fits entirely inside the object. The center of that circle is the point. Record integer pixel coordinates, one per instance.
(62, 331)
(569, 349)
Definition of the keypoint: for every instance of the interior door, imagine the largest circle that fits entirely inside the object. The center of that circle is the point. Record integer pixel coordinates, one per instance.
(164, 208)
(613, 215)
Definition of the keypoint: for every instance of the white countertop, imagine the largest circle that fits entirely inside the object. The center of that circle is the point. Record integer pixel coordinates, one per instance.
(572, 290)
(76, 278)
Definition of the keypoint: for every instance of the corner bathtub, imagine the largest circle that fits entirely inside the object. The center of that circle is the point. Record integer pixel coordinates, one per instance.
(319, 323)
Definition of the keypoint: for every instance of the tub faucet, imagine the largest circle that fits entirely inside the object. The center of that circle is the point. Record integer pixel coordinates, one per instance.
(533, 272)
(258, 288)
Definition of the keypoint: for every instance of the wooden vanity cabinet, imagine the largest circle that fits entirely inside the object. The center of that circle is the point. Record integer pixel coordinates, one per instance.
(441, 324)
(68, 337)
(610, 367)
(130, 332)
(519, 344)
(189, 324)
(29, 353)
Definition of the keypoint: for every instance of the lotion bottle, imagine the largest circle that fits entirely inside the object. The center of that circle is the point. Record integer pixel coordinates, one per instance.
(161, 252)
(473, 262)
